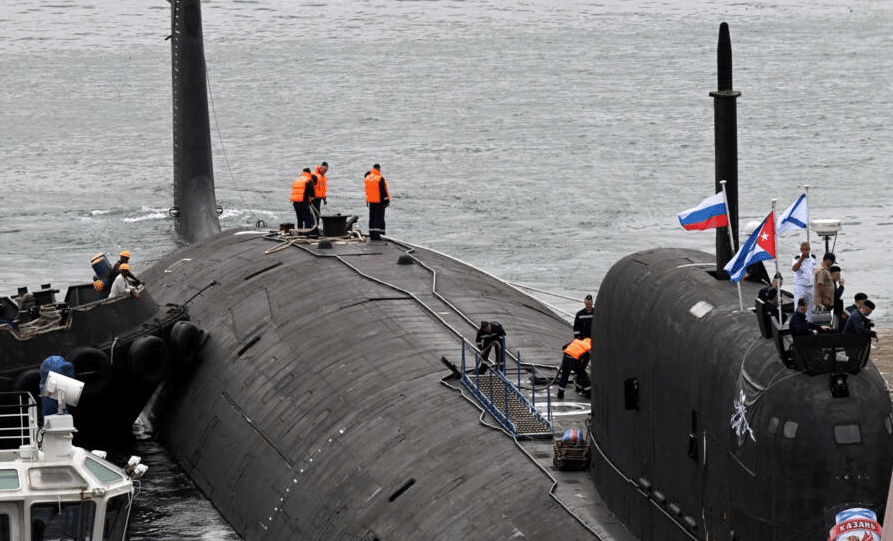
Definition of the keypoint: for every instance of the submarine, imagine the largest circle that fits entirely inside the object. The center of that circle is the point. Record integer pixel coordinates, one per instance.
(319, 405)
(710, 421)
(323, 403)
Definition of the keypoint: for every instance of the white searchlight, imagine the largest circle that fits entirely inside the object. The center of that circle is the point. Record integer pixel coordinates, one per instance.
(827, 229)
(65, 390)
(58, 429)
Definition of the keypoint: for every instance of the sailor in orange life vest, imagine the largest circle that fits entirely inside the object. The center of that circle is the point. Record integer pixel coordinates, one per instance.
(574, 355)
(322, 186)
(378, 198)
(302, 192)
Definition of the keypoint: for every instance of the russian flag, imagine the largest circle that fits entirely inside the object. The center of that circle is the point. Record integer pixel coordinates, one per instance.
(759, 247)
(710, 213)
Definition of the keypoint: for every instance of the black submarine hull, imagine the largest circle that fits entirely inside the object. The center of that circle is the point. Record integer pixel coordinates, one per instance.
(320, 407)
(699, 427)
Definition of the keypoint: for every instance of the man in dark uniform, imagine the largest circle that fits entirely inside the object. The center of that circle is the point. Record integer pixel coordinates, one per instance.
(583, 329)
(858, 322)
(583, 320)
(799, 323)
(489, 333)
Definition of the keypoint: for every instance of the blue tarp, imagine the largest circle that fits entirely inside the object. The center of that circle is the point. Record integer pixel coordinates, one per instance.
(53, 363)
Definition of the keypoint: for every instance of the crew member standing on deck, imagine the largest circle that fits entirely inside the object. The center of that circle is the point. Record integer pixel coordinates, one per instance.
(378, 198)
(804, 274)
(583, 329)
(575, 355)
(823, 286)
(301, 194)
(321, 188)
(583, 320)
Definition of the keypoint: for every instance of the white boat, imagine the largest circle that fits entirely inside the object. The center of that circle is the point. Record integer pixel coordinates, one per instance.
(51, 489)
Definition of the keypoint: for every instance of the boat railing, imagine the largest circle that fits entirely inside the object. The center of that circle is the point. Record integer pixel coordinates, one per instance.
(827, 353)
(18, 420)
(823, 353)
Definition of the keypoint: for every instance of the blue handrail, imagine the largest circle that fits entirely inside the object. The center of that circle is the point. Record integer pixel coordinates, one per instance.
(486, 396)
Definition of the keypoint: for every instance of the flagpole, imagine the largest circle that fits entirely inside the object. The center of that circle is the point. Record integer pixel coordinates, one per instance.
(806, 200)
(775, 240)
(725, 199)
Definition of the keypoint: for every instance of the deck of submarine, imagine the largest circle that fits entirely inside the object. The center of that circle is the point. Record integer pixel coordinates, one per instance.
(432, 296)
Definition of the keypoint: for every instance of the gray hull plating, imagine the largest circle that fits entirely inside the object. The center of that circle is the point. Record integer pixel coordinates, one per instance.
(318, 409)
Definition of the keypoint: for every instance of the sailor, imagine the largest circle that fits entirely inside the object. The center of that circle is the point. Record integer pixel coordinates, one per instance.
(857, 303)
(123, 284)
(763, 294)
(490, 333)
(576, 354)
(804, 274)
(320, 187)
(772, 310)
(302, 193)
(583, 320)
(378, 197)
(858, 322)
(800, 325)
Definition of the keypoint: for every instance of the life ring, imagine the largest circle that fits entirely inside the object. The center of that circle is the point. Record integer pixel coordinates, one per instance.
(149, 359)
(28, 381)
(185, 338)
(93, 367)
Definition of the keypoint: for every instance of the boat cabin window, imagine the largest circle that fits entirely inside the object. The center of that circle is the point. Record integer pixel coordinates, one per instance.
(116, 518)
(63, 520)
(790, 429)
(9, 480)
(773, 426)
(847, 434)
(55, 477)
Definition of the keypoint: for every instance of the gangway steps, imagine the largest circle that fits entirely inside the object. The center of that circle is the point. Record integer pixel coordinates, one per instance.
(503, 397)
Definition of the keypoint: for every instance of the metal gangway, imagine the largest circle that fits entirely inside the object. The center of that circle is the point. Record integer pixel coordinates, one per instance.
(504, 399)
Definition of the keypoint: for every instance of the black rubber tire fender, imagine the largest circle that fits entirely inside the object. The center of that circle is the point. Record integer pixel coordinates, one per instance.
(28, 381)
(149, 359)
(185, 337)
(93, 367)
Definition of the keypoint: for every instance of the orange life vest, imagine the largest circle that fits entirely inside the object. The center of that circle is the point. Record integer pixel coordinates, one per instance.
(298, 187)
(577, 348)
(373, 195)
(321, 183)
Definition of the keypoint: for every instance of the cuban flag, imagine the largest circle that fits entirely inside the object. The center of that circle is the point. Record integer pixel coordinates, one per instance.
(710, 213)
(794, 217)
(759, 247)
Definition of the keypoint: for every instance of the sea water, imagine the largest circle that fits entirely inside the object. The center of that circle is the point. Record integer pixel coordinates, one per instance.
(539, 140)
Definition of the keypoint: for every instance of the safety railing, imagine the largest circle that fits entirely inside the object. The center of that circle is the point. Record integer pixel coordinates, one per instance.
(504, 399)
(18, 419)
